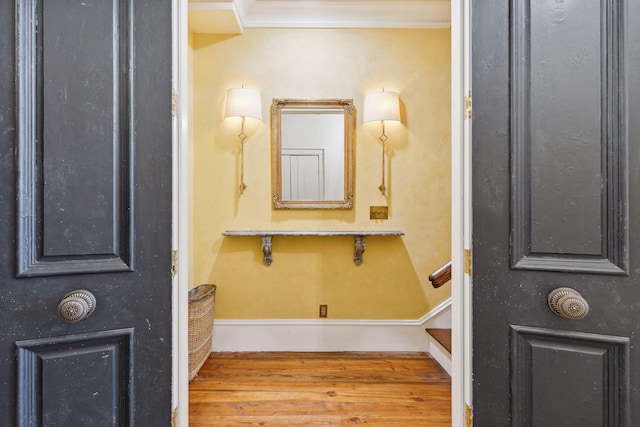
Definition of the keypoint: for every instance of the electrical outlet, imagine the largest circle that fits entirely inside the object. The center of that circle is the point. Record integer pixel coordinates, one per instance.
(323, 310)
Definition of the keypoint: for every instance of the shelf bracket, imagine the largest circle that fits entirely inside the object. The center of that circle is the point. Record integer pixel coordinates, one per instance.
(266, 249)
(360, 245)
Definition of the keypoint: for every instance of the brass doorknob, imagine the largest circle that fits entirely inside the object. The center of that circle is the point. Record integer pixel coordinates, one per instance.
(568, 303)
(76, 305)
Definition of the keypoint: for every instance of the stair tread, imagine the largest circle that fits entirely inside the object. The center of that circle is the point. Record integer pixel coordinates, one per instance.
(443, 336)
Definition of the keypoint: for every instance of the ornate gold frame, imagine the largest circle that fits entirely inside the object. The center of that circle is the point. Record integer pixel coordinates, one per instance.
(276, 148)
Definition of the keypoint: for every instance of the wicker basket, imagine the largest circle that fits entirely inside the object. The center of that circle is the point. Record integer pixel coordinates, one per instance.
(201, 302)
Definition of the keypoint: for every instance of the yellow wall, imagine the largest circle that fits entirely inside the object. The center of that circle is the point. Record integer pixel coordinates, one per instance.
(392, 282)
(191, 142)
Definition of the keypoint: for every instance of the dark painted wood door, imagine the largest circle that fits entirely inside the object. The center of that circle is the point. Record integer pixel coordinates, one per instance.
(85, 204)
(556, 163)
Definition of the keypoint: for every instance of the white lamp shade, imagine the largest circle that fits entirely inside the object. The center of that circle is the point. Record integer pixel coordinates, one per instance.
(381, 106)
(243, 102)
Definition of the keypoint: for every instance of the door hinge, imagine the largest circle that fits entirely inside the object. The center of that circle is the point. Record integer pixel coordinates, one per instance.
(174, 102)
(468, 102)
(174, 263)
(468, 416)
(174, 418)
(468, 261)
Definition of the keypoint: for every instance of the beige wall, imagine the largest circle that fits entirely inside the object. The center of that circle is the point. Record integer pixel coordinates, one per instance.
(392, 283)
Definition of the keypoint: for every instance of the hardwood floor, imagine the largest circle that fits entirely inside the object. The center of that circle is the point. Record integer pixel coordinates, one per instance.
(320, 389)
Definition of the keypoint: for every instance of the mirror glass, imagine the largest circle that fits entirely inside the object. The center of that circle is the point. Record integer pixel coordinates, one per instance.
(312, 153)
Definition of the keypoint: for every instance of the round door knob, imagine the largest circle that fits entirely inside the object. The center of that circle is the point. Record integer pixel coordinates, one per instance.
(568, 303)
(76, 305)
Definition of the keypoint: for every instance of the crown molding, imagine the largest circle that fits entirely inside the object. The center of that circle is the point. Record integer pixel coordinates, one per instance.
(231, 16)
(214, 17)
(348, 14)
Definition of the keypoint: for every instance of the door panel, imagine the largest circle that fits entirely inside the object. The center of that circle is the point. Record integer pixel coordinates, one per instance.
(579, 367)
(555, 152)
(85, 203)
(569, 169)
(79, 379)
(85, 156)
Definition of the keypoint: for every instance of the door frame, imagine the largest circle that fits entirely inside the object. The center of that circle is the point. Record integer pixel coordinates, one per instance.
(180, 213)
(461, 215)
(461, 375)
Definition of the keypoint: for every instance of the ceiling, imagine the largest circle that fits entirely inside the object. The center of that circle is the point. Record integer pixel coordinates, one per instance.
(232, 16)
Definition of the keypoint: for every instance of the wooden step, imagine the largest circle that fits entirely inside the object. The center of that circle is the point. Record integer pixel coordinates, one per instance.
(443, 336)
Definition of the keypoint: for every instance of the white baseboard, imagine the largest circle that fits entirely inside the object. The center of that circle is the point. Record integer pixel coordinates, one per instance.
(438, 352)
(439, 317)
(312, 335)
(333, 335)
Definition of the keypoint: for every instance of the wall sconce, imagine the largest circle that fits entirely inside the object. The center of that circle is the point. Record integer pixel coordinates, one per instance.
(243, 103)
(382, 106)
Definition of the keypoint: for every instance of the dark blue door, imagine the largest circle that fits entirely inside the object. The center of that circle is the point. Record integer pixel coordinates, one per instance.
(556, 213)
(85, 212)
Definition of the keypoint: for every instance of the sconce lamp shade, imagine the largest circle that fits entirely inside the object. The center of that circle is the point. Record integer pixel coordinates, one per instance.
(243, 102)
(380, 106)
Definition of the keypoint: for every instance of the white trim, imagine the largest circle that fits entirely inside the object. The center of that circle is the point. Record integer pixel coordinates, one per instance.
(440, 354)
(180, 213)
(314, 335)
(461, 372)
(214, 18)
(457, 220)
(322, 14)
(438, 317)
(467, 330)
(348, 14)
(328, 335)
(333, 335)
(175, 321)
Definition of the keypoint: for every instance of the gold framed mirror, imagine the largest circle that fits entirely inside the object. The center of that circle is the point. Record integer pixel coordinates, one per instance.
(312, 157)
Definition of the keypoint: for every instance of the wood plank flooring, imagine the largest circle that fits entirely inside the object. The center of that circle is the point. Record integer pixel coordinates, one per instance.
(320, 389)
